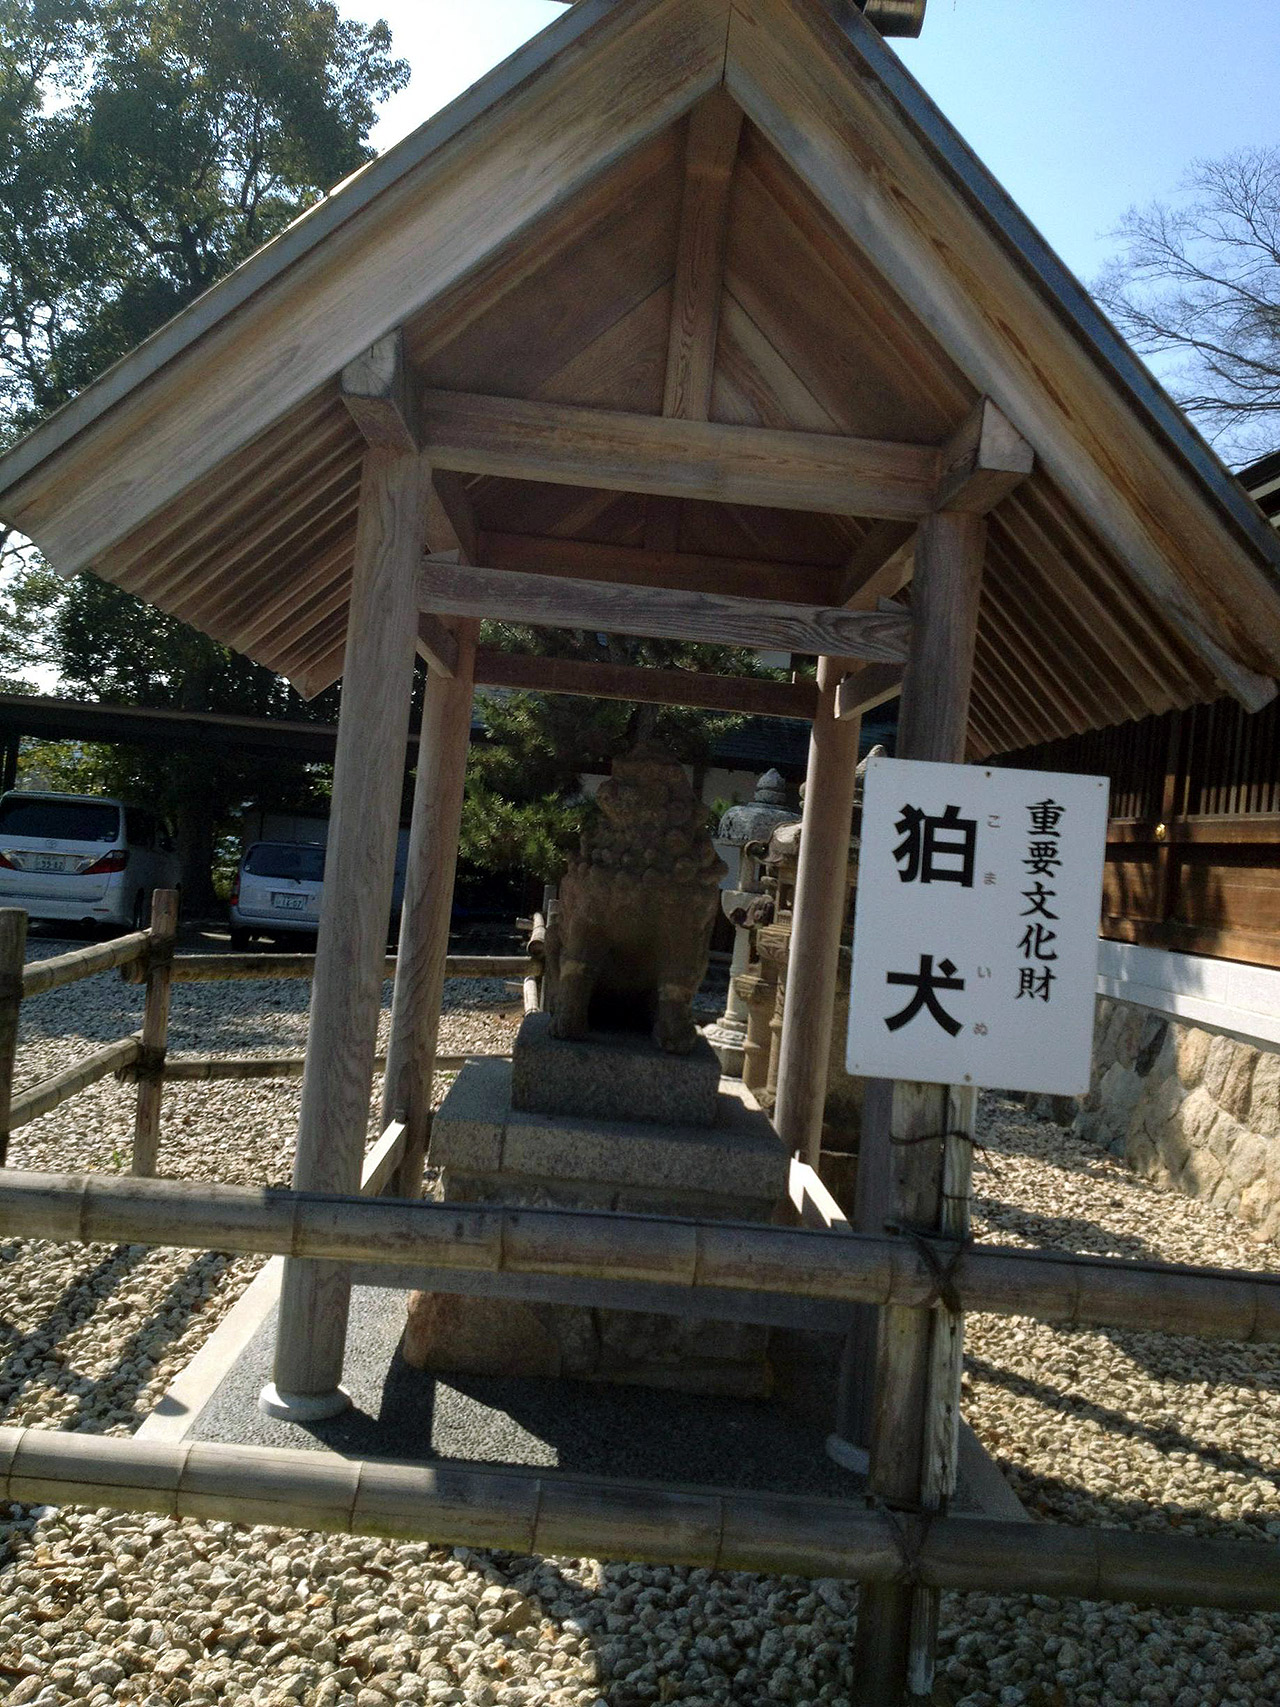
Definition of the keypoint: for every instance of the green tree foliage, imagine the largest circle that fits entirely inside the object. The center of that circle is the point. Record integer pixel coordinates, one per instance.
(146, 148)
(524, 808)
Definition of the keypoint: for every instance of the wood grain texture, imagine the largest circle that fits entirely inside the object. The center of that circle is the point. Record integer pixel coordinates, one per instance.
(351, 948)
(549, 601)
(647, 686)
(817, 921)
(945, 593)
(427, 908)
(638, 566)
(710, 152)
(155, 1030)
(403, 232)
(13, 946)
(864, 689)
(983, 461)
(437, 644)
(376, 390)
(608, 449)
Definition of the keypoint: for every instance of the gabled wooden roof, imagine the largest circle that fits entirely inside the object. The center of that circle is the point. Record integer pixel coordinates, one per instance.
(742, 211)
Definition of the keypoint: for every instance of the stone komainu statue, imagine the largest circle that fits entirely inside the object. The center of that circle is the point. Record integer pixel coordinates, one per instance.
(629, 943)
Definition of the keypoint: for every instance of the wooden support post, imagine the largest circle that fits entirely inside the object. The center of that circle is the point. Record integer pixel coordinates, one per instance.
(13, 947)
(372, 729)
(428, 904)
(916, 1401)
(149, 1067)
(817, 920)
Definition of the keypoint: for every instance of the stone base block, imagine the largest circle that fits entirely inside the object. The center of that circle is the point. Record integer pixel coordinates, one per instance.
(447, 1334)
(478, 1134)
(489, 1152)
(612, 1076)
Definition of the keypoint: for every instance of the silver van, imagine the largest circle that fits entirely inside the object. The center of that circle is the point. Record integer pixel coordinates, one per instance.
(83, 859)
(278, 887)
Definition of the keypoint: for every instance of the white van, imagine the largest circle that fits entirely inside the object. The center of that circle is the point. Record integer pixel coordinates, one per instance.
(82, 858)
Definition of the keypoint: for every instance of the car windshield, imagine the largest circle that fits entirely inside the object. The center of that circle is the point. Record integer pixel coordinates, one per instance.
(285, 859)
(60, 820)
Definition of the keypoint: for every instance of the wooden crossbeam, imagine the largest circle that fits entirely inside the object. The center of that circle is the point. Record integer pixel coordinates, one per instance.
(567, 445)
(549, 601)
(985, 459)
(642, 566)
(648, 686)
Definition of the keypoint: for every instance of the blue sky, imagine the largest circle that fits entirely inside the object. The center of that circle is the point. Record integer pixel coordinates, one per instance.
(1080, 107)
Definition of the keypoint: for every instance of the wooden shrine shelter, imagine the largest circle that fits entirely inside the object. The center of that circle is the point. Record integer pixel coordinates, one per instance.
(694, 319)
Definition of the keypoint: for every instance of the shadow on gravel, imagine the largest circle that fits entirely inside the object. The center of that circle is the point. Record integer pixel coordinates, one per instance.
(1163, 1437)
(79, 1300)
(1056, 1500)
(1067, 1232)
(117, 1388)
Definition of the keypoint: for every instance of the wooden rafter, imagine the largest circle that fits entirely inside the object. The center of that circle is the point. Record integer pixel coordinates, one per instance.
(549, 601)
(681, 459)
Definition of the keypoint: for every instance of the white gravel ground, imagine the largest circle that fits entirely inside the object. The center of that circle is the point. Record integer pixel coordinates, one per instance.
(1143, 1430)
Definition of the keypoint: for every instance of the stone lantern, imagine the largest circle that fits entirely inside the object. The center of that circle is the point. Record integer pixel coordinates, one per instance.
(741, 828)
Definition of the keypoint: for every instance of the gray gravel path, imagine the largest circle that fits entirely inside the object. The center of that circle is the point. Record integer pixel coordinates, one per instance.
(1142, 1430)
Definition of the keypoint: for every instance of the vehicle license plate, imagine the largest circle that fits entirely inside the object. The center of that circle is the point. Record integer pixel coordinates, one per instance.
(48, 862)
(290, 903)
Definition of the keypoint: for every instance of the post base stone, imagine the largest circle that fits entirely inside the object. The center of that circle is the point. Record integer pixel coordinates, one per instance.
(302, 1407)
(488, 1151)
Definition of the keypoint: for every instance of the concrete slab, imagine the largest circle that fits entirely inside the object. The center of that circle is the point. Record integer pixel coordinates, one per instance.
(624, 1432)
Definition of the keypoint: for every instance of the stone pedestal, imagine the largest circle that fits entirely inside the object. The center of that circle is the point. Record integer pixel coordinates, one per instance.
(493, 1146)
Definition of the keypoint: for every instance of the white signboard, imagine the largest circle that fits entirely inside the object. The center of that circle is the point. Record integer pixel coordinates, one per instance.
(975, 944)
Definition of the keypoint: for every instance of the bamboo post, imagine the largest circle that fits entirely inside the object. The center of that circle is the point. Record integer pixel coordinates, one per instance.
(373, 728)
(916, 1396)
(817, 919)
(428, 906)
(148, 1069)
(13, 947)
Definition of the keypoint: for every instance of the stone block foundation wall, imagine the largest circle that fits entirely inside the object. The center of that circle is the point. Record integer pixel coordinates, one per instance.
(1188, 1109)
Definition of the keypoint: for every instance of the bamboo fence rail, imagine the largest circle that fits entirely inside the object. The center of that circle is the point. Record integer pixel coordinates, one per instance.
(206, 968)
(42, 975)
(42, 1097)
(452, 1504)
(1052, 1286)
(187, 1067)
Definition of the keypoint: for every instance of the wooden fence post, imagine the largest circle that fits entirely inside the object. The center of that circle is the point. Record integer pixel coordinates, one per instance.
(813, 961)
(13, 948)
(149, 1067)
(917, 1391)
(421, 961)
(373, 725)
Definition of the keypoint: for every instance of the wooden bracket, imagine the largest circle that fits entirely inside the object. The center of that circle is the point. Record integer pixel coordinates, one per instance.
(862, 690)
(437, 644)
(985, 458)
(376, 390)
